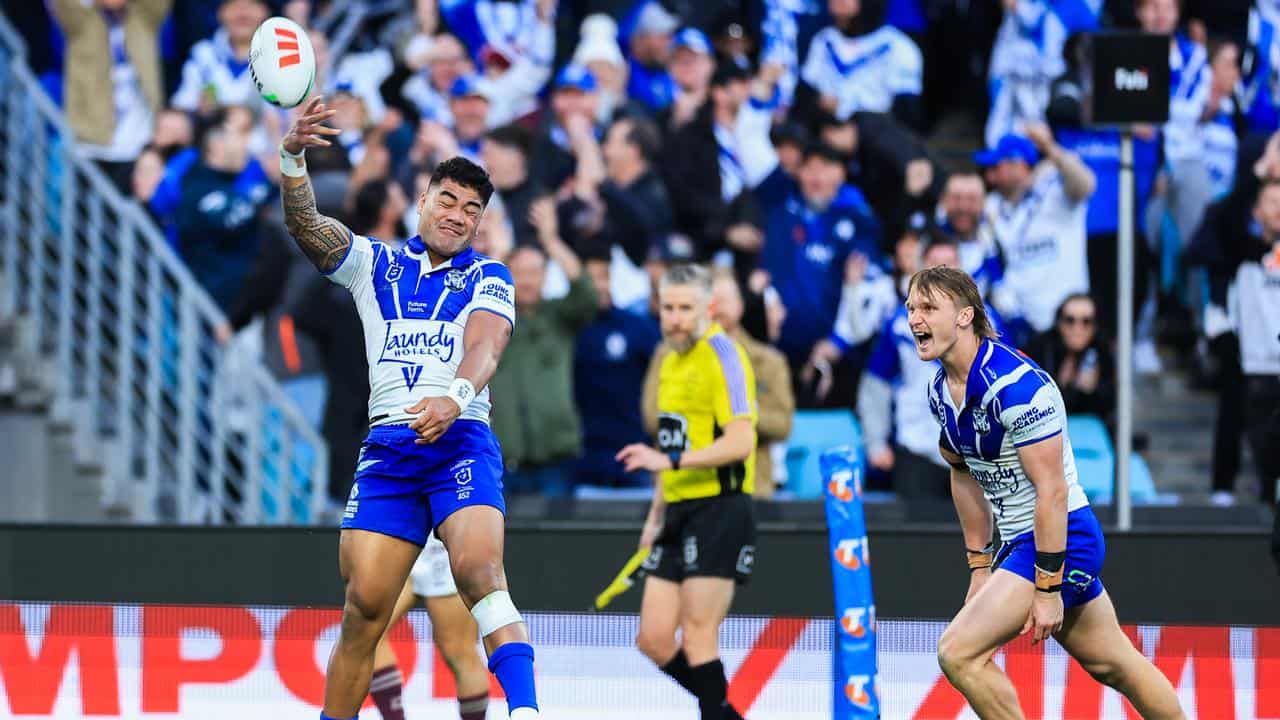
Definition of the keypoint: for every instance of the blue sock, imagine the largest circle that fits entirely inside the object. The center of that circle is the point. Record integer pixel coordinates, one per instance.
(326, 717)
(513, 664)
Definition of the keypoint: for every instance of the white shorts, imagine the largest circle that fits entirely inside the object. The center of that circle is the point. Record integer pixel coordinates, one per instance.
(431, 575)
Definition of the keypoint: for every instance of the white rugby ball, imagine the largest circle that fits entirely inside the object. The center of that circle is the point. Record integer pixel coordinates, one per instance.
(282, 62)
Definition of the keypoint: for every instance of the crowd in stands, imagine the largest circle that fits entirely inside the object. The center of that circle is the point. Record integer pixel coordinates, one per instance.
(801, 147)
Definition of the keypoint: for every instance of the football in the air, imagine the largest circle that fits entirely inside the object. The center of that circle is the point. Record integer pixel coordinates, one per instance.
(282, 62)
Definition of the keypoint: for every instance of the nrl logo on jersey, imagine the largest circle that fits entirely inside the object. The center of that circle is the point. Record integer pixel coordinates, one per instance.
(455, 280)
(980, 421)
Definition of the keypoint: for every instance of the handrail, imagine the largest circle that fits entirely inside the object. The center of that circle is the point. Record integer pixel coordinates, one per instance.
(175, 420)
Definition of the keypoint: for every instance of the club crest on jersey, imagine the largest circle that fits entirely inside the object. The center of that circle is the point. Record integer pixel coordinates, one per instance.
(980, 421)
(455, 280)
(394, 270)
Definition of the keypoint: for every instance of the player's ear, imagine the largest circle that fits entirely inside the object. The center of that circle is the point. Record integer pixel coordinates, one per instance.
(965, 317)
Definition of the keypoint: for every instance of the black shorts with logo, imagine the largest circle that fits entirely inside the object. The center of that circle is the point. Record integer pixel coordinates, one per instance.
(707, 537)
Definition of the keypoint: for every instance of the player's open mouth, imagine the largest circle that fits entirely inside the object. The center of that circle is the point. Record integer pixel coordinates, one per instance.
(922, 339)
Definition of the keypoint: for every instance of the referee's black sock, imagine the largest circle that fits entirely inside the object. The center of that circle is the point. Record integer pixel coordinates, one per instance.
(678, 668)
(710, 686)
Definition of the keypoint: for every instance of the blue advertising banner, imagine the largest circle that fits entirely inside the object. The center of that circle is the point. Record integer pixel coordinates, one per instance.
(856, 695)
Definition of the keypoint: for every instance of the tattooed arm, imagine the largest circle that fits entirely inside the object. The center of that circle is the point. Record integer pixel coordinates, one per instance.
(323, 240)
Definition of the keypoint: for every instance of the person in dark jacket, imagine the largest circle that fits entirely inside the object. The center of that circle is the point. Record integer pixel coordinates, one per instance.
(218, 215)
(1077, 356)
(811, 228)
(610, 360)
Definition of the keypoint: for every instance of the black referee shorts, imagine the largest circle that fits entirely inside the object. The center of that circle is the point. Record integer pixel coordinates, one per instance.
(707, 537)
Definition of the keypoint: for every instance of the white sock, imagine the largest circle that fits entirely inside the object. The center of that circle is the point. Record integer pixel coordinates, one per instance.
(524, 713)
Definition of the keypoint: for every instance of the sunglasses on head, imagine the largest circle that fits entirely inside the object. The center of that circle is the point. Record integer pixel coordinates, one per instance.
(1085, 320)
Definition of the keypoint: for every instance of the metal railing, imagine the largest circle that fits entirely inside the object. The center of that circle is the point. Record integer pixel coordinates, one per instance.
(187, 430)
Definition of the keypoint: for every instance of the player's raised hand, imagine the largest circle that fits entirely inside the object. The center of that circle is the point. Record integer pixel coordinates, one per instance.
(1046, 616)
(435, 416)
(307, 130)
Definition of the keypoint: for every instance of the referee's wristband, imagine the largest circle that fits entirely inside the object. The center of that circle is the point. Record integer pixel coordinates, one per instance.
(292, 165)
(461, 392)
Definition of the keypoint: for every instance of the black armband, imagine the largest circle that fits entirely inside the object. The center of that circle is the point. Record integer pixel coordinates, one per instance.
(1050, 563)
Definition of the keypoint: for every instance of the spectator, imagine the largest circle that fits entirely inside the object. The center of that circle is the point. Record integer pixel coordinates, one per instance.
(885, 159)
(513, 42)
(691, 67)
(861, 65)
(112, 86)
(960, 216)
(493, 236)
(1037, 213)
(1187, 189)
(444, 61)
(217, 72)
(573, 99)
(1225, 120)
(650, 44)
(1026, 58)
(789, 141)
(1255, 294)
(217, 217)
(533, 412)
(598, 52)
(893, 393)
(505, 152)
(812, 227)
(610, 360)
(173, 131)
(252, 180)
(1079, 358)
(638, 207)
(718, 155)
(377, 211)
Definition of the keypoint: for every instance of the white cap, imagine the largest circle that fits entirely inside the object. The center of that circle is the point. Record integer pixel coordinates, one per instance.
(655, 19)
(599, 41)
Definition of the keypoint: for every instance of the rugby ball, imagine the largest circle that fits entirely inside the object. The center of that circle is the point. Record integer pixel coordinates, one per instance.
(282, 62)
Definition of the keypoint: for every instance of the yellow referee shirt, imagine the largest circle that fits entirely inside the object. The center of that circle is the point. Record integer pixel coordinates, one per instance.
(699, 393)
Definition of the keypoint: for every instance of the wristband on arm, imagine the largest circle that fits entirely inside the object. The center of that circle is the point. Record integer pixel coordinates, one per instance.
(980, 559)
(1049, 571)
(461, 392)
(292, 165)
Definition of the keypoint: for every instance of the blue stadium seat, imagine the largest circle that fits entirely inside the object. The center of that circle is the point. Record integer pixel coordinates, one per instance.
(1096, 463)
(812, 432)
(1095, 457)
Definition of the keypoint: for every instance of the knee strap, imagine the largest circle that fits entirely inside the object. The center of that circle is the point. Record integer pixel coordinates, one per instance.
(495, 611)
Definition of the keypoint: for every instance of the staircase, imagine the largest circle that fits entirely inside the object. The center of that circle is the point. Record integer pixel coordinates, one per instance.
(116, 399)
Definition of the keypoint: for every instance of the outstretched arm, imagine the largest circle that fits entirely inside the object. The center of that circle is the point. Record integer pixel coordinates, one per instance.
(323, 240)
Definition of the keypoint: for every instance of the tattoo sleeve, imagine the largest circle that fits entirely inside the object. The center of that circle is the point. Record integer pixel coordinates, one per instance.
(323, 240)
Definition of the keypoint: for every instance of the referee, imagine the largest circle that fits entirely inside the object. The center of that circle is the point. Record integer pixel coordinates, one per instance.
(700, 525)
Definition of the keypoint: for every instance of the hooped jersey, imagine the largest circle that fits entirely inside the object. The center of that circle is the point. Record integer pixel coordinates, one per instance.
(699, 393)
(414, 316)
(1009, 403)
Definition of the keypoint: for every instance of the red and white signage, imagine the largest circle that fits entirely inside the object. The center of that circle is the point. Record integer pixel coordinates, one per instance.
(72, 661)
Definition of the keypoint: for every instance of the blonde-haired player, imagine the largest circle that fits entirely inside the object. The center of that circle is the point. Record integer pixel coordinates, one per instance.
(1003, 424)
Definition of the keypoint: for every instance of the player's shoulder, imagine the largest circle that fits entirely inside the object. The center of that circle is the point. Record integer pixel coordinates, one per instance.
(1012, 379)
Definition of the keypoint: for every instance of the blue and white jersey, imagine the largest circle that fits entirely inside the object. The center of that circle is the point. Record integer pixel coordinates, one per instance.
(213, 66)
(414, 316)
(1220, 147)
(1043, 244)
(864, 73)
(1009, 403)
(1189, 83)
(1025, 59)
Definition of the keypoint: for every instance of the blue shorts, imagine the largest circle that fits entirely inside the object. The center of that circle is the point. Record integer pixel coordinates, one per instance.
(406, 490)
(1085, 552)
